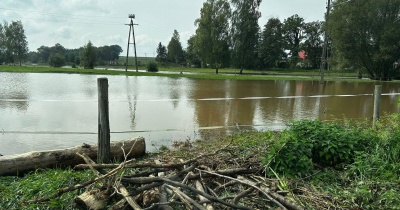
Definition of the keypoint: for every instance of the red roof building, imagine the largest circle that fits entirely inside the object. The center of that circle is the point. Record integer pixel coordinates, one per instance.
(303, 55)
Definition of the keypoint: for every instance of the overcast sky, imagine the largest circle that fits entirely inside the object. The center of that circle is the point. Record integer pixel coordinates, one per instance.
(72, 23)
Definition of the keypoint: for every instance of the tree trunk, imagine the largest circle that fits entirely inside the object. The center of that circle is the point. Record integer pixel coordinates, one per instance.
(21, 163)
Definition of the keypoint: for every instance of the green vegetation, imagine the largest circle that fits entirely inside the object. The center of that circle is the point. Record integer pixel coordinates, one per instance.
(228, 35)
(15, 190)
(13, 42)
(88, 56)
(307, 143)
(162, 56)
(202, 73)
(152, 67)
(365, 33)
(210, 44)
(56, 60)
(340, 165)
(175, 52)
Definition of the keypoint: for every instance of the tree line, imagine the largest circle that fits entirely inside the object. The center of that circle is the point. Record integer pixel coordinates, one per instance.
(361, 34)
(57, 55)
(14, 49)
(228, 35)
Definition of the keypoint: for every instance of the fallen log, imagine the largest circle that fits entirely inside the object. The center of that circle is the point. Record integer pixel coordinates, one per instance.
(22, 163)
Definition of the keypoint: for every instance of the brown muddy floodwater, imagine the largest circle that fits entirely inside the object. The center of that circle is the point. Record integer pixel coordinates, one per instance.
(54, 111)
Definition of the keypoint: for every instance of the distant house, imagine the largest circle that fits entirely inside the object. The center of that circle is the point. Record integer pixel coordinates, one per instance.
(302, 60)
(303, 55)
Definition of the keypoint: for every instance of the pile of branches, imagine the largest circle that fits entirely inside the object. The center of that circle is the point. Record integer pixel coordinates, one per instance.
(175, 183)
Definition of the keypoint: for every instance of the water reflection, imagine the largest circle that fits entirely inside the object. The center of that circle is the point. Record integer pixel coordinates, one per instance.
(15, 94)
(60, 110)
(132, 101)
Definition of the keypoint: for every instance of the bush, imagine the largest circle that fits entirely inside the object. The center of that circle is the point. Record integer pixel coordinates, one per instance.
(307, 143)
(152, 66)
(57, 60)
(290, 155)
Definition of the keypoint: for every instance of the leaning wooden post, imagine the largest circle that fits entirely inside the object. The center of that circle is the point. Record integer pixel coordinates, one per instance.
(103, 153)
(377, 103)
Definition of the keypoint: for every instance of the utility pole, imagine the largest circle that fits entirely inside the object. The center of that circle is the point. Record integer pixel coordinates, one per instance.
(324, 57)
(131, 28)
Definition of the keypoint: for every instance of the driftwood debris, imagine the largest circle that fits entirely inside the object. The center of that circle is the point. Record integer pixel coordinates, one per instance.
(94, 199)
(18, 164)
(175, 183)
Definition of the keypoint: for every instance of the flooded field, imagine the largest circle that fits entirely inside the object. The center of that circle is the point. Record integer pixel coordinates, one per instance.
(53, 111)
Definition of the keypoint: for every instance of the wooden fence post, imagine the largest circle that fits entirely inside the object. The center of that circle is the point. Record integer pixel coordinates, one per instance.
(377, 103)
(103, 153)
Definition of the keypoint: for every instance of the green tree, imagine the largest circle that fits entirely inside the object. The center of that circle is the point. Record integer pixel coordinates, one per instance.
(175, 51)
(108, 54)
(116, 50)
(16, 43)
(272, 46)
(366, 33)
(2, 43)
(191, 52)
(72, 56)
(55, 53)
(292, 30)
(88, 56)
(103, 55)
(212, 34)
(44, 54)
(33, 57)
(313, 43)
(57, 48)
(162, 55)
(245, 32)
(57, 60)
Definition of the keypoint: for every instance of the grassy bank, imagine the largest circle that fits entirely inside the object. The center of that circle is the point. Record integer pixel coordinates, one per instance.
(343, 165)
(197, 73)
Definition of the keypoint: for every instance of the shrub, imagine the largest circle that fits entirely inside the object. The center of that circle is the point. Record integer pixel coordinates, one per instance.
(57, 60)
(310, 142)
(152, 67)
(290, 155)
